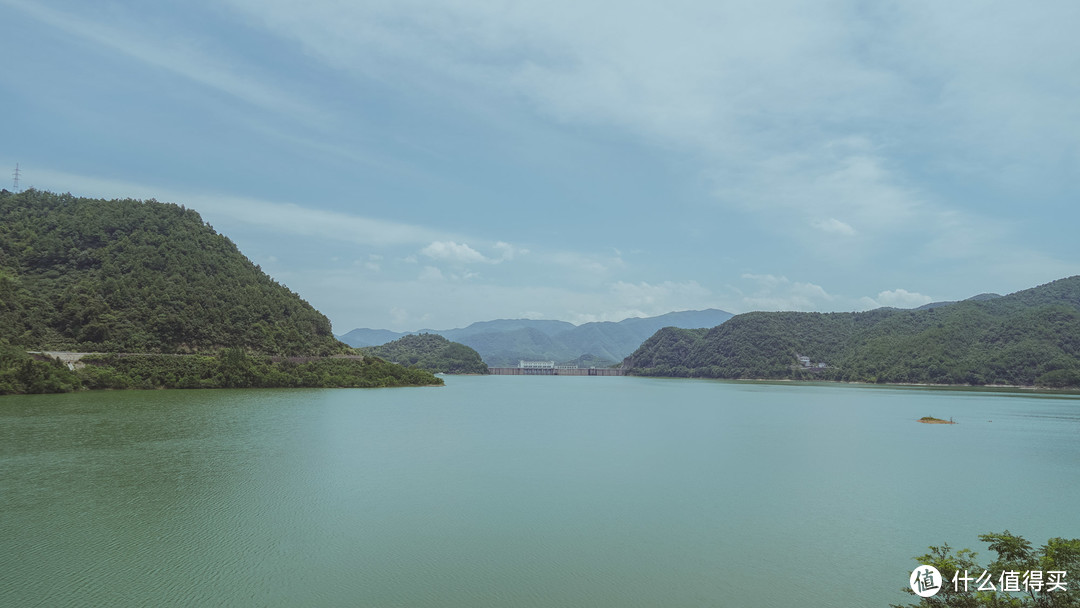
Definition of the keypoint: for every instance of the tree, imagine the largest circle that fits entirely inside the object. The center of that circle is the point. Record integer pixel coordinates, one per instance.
(1016, 559)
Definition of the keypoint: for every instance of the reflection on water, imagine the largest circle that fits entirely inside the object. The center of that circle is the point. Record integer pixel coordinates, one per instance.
(522, 491)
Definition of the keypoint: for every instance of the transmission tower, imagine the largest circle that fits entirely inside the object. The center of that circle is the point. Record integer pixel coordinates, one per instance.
(16, 176)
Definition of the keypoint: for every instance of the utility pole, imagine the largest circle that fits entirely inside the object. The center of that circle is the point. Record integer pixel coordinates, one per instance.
(16, 176)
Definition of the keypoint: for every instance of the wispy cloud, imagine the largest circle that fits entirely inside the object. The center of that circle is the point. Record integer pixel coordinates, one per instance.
(280, 217)
(833, 226)
(178, 56)
(462, 253)
(508, 252)
(453, 252)
(827, 119)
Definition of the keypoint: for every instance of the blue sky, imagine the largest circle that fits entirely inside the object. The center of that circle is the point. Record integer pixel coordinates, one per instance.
(408, 164)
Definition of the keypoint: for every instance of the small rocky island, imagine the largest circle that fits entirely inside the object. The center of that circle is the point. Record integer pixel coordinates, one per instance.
(932, 420)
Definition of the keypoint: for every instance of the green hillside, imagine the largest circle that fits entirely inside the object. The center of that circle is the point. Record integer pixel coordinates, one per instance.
(127, 276)
(1031, 337)
(433, 353)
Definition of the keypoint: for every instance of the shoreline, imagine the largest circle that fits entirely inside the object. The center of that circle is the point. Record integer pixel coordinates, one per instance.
(990, 387)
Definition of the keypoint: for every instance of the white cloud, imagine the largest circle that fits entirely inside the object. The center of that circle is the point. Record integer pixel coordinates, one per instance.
(462, 253)
(768, 280)
(291, 218)
(846, 177)
(453, 252)
(508, 252)
(897, 298)
(771, 292)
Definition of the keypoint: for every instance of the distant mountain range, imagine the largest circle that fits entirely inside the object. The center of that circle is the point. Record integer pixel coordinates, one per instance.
(1028, 338)
(506, 341)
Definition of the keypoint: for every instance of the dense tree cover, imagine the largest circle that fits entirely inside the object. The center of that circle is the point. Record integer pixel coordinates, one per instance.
(431, 352)
(21, 374)
(125, 275)
(665, 353)
(230, 368)
(234, 368)
(1028, 338)
(1014, 555)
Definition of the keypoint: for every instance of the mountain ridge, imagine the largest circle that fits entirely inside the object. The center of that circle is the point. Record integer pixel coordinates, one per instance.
(506, 341)
(1030, 337)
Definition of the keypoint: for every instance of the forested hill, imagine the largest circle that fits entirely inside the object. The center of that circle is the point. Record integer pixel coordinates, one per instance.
(125, 275)
(431, 352)
(1031, 337)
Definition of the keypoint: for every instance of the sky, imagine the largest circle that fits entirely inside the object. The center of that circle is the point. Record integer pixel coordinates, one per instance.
(407, 164)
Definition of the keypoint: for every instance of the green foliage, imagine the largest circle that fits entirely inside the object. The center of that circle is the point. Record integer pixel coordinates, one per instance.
(234, 368)
(666, 351)
(1028, 338)
(431, 352)
(146, 277)
(1014, 554)
(21, 374)
(130, 276)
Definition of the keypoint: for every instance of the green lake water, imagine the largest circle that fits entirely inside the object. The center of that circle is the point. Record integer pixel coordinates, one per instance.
(518, 491)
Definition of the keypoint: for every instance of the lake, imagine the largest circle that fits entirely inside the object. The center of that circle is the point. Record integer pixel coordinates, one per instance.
(519, 491)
